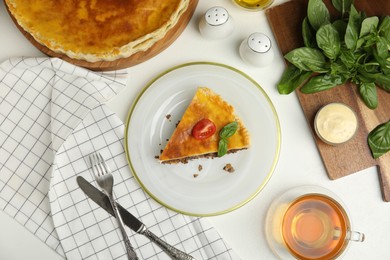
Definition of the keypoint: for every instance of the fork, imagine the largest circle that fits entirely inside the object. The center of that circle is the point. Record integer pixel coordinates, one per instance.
(105, 180)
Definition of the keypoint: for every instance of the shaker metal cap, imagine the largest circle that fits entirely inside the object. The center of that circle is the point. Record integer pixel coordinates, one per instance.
(216, 16)
(259, 42)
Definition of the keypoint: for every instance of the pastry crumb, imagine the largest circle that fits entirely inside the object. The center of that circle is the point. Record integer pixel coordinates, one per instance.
(229, 168)
(168, 116)
(195, 175)
(200, 167)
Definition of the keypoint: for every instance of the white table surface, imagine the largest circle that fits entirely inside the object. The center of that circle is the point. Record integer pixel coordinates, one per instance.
(299, 161)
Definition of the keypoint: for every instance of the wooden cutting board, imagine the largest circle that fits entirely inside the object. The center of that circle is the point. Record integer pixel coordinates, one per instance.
(134, 59)
(355, 155)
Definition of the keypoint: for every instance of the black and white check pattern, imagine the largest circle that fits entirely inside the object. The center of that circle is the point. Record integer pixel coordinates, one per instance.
(52, 116)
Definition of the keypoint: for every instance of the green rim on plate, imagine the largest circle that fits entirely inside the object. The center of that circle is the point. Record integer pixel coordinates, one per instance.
(276, 154)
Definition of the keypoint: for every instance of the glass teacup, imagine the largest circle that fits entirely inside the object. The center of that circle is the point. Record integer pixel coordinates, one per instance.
(309, 222)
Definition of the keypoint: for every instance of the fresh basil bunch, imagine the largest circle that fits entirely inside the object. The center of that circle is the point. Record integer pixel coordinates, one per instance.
(354, 48)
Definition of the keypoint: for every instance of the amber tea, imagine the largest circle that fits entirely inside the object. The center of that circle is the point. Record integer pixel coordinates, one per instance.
(254, 4)
(309, 222)
(315, 227)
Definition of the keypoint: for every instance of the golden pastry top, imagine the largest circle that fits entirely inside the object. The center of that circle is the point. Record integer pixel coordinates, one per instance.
(205, 104)
(95, 28)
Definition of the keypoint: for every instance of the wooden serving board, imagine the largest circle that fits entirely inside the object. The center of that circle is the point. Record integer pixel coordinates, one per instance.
(355, 155)
(122, 63)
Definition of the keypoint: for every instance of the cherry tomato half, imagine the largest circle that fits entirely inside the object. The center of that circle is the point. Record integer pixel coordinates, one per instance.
(203, 129)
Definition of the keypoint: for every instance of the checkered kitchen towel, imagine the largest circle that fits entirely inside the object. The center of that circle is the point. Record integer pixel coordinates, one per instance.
(52, 116)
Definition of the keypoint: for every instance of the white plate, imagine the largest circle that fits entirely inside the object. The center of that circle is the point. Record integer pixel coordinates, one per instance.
(214, 191)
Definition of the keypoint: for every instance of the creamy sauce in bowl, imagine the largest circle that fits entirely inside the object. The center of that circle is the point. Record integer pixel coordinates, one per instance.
(335, 123)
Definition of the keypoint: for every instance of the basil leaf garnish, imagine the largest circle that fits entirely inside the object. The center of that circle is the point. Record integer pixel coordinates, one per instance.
(226, 132)
(222, 147)
(379, 140)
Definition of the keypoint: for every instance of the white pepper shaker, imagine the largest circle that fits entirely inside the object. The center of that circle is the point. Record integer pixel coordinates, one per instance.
(216, 23)
(257, 50)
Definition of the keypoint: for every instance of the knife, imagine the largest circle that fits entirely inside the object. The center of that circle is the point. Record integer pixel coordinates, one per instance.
(129, 219)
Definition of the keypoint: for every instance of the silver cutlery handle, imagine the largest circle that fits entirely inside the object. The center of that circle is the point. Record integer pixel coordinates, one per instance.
(131, 255)
(173, 252)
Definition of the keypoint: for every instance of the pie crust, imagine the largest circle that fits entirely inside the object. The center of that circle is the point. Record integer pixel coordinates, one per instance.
(94, 30)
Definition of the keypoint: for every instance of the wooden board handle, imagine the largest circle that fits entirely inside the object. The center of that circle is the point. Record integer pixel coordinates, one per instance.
(384, 175)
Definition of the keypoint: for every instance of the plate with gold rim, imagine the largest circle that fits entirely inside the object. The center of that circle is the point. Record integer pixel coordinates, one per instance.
(201, 187)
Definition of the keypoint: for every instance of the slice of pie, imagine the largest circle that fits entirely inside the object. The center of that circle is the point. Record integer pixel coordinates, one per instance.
(206, 104)
(97, 30)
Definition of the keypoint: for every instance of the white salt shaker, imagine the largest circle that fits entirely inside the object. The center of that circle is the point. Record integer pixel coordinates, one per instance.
(257, 50)
(216, 23)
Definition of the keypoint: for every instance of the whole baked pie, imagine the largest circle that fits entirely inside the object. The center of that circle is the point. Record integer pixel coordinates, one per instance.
(208, 109)
(97, 30)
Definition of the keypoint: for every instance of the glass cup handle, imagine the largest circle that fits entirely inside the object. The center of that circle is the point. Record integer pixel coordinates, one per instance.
(355, 236)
